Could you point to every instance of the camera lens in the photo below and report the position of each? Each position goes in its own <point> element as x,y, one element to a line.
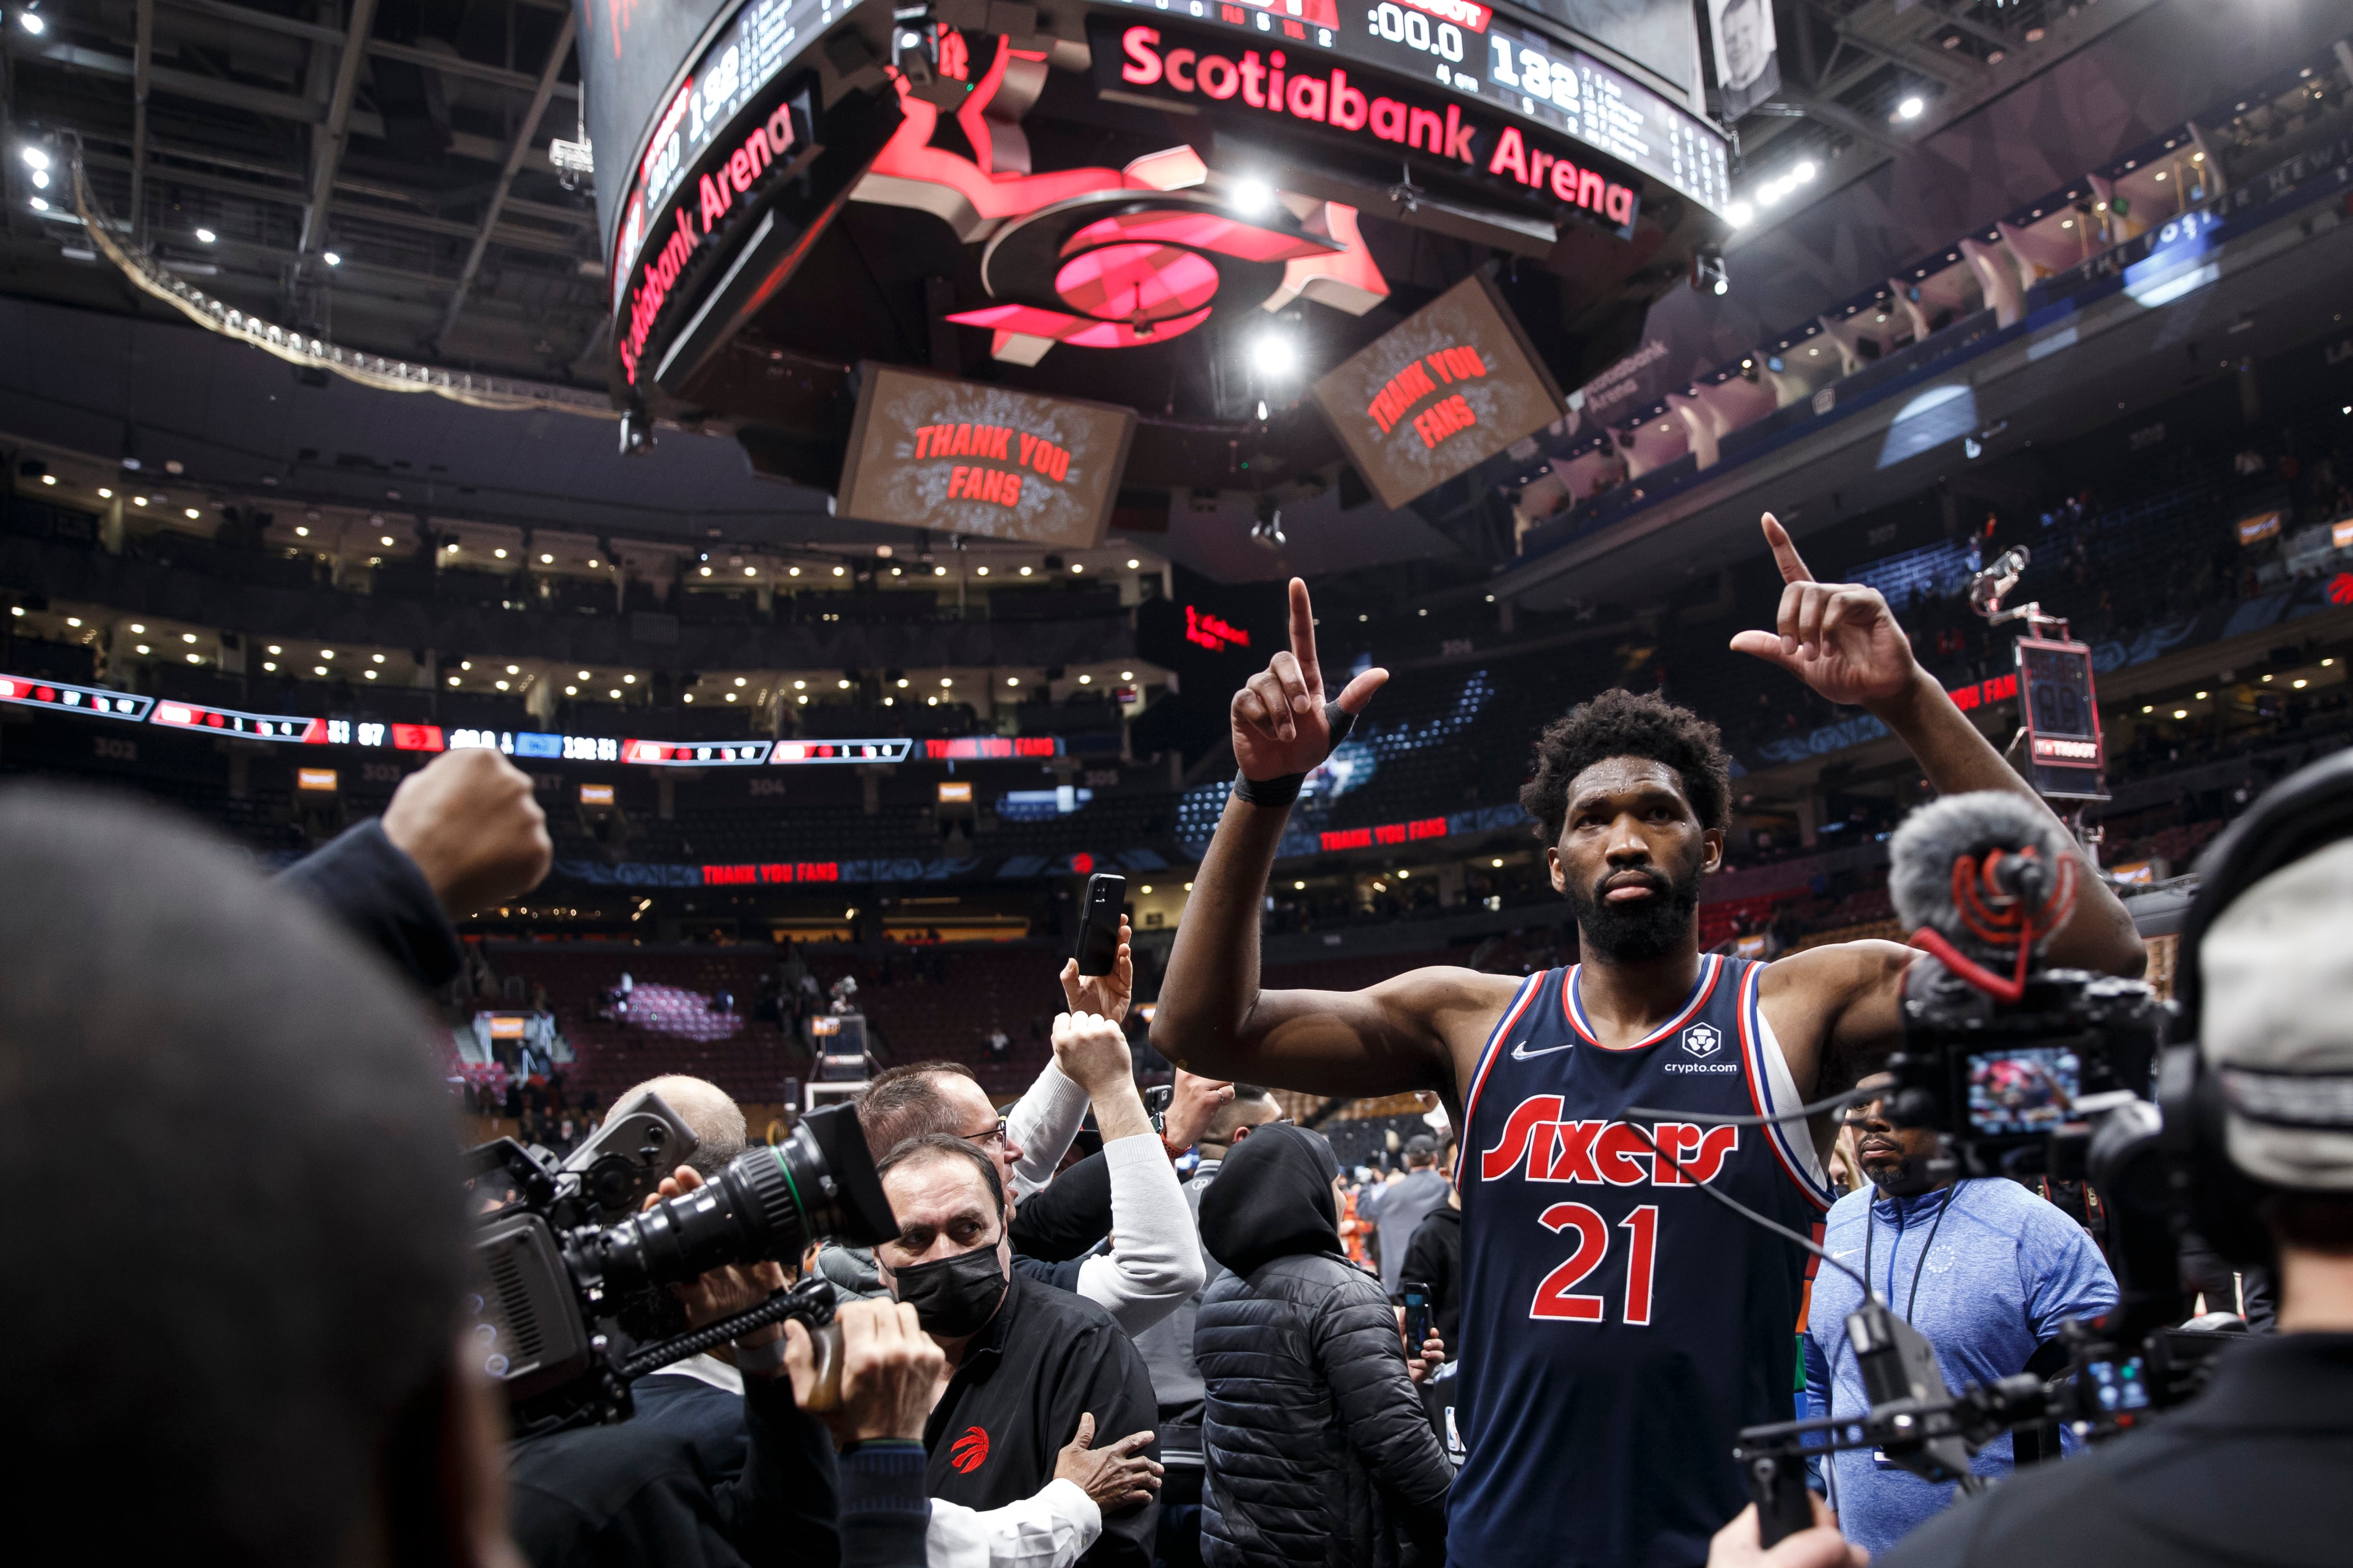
<point>767,1204</point>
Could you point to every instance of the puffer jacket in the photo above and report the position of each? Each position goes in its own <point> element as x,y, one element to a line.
<point>1317,1450</point>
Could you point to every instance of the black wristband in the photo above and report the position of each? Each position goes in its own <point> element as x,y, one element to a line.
<point>1275,792</point>
<point>1283,790</point>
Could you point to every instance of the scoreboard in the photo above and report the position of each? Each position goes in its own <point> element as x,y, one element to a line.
<point>301,730</point>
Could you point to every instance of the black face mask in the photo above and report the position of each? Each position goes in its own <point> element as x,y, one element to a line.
<point>1650,928</point>
<point>953,1297</point>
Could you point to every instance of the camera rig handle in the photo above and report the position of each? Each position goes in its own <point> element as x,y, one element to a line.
<point>812,1302</point>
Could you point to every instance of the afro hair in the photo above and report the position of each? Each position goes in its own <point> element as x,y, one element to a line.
<point>1621,723</point>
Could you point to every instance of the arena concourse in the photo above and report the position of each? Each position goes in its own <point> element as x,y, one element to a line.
<point>868,474</point>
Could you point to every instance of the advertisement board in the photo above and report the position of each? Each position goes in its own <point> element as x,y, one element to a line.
<point>930,451</point>
<point>1450,387</point>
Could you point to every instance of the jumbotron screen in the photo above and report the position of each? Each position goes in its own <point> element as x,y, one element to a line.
<point>929,451</point>
<point>1452,386</point>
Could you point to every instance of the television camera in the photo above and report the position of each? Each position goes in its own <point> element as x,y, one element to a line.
<point>2022,1071</point>
<point>558,1246</point>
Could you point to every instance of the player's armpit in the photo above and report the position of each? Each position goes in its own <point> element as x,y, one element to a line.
<point>1837,1011</point>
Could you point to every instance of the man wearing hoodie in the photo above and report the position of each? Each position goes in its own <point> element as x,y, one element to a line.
<point>1317,1448</point>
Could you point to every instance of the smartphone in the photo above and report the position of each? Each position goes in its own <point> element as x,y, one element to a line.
<point>1416,1314</point>
<point>1099,922</point>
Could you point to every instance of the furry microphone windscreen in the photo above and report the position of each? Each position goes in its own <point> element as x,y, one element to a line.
<point>1920,874</point>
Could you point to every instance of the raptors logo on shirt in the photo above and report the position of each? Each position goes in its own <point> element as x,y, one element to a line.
<point>969,1452</point>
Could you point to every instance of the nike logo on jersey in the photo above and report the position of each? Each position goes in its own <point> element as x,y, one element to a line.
<point>1544,1147</point>
<point>1520,1053</point>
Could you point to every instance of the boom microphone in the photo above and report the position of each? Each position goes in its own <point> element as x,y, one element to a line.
<point>1981,880</point>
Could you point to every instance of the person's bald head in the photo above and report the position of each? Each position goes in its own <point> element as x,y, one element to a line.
<point>714,1119</point>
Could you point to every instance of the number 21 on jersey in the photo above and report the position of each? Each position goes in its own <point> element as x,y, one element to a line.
<point>1557,1297</point>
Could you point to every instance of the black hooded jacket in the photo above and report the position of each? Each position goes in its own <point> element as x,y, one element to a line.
<point>1317,1449</point>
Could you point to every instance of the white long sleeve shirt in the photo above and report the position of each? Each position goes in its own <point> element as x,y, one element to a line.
<point>1154,1264</point>
<point>1050,1529</point>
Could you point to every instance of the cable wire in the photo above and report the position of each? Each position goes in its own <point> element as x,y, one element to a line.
<point>1707,1119</point>
<point>1734,1204</point>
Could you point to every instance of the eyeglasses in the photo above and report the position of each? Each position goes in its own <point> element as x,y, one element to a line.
<point>993,1135</point>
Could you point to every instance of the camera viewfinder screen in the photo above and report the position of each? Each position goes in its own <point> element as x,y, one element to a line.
<point>2032,1088</point>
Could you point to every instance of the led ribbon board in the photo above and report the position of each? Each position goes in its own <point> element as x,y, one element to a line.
<point>1490,66</point>
<point>1452,386</point>
<point>926,451</point>
<point>71,698</point>
<point>2063,753</point>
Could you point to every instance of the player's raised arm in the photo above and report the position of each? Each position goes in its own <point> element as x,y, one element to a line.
<point>1212,1018</point>
<point>1842,639</point>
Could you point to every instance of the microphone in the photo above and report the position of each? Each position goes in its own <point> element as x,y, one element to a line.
<point>1982,879</point>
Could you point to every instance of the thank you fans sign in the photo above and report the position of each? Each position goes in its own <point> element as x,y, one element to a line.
<point>1452,386</point>
<point>932,452</point>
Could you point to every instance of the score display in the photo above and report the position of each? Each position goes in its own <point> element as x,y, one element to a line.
<point>928,451</point>
<point>1468,49</point>
<point>71,698</point>
<point>2061,719</point>
<point>1450,387</point>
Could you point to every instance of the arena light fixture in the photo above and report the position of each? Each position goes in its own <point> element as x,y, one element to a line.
<point>946,680</point>
<point>369,673</point>
<point>628,680</point>
<point>705,570</point>
<point>1086,681</point>
<point>385,541</point>
<point>191,637</point>
<point>1133,564</point>
<point>379,658</point>
<point>453,680</point>
<point>332,260</point>
<point>1911,107</point>
<point>32,22</point>
<point>1273,354</point>
<point>574,691</point>
<point>40,205</point>
<point>614,693</point>
<point>545,559</point>
<point>205,237</point>
<point>841,570</point>
<point>980,570</point>
<point>141,630</point>
<point>273,648</point>
<point>315,669</point>
<point>936,571</point>
<point>105,494</point>
<point>800,685</point>
<point>34,158</point>
<point>1249,197</point>
<point>499,554</point>
<point>1012,680</point>
<point>1739,214</point>
<point>1025,571</point>
<point>751,571</point>
<point>1077,567</point>
<point>1127,675</point>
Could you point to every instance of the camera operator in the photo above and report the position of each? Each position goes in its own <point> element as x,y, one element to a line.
<point>1984,1268</point>
<point>461,833</point>
<point>1027,1363</point>
<point>236,1228</point>
<point>2259,1121</point>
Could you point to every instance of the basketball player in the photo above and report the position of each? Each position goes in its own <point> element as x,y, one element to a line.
<point>1617,1327</point>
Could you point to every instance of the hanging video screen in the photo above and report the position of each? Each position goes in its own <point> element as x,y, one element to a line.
<point>1660,35</point>
<point>927,451</point>
<point>1452,386</point>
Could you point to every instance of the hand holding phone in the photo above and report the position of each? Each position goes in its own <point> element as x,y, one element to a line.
<point>1098,949</point>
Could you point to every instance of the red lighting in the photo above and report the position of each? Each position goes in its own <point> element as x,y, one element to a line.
<point>1082,864</point>
<point>1212,632</point>
<point>1199,230</point>
<point>772,872</point>
<point>1387,833</point>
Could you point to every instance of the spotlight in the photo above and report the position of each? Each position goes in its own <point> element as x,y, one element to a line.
<point>1707,272</point>
<point>40,179</point>
<point>1739,214</point>
<point>40,205</point>
<point>1911,107</point>
<point>637,433</point>
<point>332,260</point>
<point>1250,196</point>
<point>1804,172</point>
<point>32,23</point>
<point>1274,355</point>
<point>205,237</point>
<point>34,157</point>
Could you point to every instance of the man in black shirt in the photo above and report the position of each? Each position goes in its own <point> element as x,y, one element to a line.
<point>1027,1360</point>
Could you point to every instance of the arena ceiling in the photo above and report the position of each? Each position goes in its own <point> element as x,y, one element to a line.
<point>422,163</point>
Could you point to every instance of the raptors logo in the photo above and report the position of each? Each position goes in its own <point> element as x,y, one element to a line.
<point>969,1452</point>
<point>1700,1039</point>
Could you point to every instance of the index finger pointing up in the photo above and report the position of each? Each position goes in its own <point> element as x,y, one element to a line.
<point>1303,639</point>
<point>1784,554</point>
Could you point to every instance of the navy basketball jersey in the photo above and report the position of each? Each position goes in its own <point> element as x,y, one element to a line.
<point>1619,1327</point>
